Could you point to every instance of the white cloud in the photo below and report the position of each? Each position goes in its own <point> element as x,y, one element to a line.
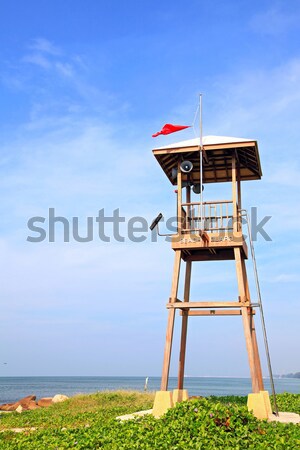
<point>285,173</point>
<point>260,102</point>
<point>285,278</point>
<point>49,57</point>
<point>42,54</point>
<point>45,46</point>
<point>37,59</point>
<point>65,69</point>
<point>274,21</point>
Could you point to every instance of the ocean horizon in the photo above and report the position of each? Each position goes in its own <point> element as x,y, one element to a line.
<point>15,388</point>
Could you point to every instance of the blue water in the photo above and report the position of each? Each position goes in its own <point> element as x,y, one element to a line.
<point>14,388</point>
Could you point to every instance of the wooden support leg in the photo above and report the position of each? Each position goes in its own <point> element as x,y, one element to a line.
<point>249,344</point>
<point>245,279</point>
<point>253,332</point>
<point>256,355</point>
<point>246,319</point>
<point>170,325</point>
<point>184,325</point>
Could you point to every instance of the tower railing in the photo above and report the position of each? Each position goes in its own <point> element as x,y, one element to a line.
<point>215,217</point>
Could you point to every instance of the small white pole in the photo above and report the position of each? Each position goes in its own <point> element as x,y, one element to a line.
<point>146,384</point>
<point>201,161</point>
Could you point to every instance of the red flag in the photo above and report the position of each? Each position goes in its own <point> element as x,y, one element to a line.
<point>169,128</point>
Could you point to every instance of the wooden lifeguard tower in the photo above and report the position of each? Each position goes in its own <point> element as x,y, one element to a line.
<point>209,231</point>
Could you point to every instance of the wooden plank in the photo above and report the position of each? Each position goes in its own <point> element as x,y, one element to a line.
<point>256,355</point>
<point>188,201</point>
<point>184,325</point>
<point>213,202</point>
<point>204,254</point>
<point>245,279</point>
<point>215,312</point>
<point>243,290</point>
<point>168,349</point>
<point>257,363</point>
<point>239,274</point>
<point>211,305</point>
<point>187,283</point>
<point>219,168</point>
<point>249,345</point>
<point>170,324</point>
<point>224,255</point>
<point>207,148</point>
<point>239,188</point>
<point>253,169</point>
<point>217,240</point>
<point>175,278</point>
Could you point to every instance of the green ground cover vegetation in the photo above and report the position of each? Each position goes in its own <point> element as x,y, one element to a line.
<point>87,422</point>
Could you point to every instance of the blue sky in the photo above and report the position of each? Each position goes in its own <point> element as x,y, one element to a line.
<point>83,86</point>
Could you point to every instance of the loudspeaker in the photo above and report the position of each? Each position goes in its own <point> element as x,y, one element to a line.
<point>174,173</point>
<point>186,166</point>
<point>197,188</point>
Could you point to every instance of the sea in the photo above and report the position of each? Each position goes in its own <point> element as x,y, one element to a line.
<point>15,388</point>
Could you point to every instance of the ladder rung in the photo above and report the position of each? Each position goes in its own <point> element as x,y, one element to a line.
<point>212,305</point>
<point>213,312</point>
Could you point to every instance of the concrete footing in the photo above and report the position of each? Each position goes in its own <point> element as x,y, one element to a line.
<point>180,395</point>
<point>260,404</point>
<point>162,402</point>
<point>261,408</point>
<point>167,399</point>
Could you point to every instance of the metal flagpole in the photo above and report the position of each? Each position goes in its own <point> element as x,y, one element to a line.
<point>201,162</point>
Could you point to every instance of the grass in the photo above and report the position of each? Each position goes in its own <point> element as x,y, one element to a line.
<point>79,410</point>
<point>88,422</point>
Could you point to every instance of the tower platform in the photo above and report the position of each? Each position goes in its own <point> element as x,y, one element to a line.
<point>210,247</point>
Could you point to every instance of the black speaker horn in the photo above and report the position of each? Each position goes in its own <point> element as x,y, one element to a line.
<point>197,188</point>
<point>185,184</point>
<point>186,166</point>
<point>174,173</point>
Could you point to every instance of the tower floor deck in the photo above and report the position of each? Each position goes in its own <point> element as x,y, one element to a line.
<point>216,246</point>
